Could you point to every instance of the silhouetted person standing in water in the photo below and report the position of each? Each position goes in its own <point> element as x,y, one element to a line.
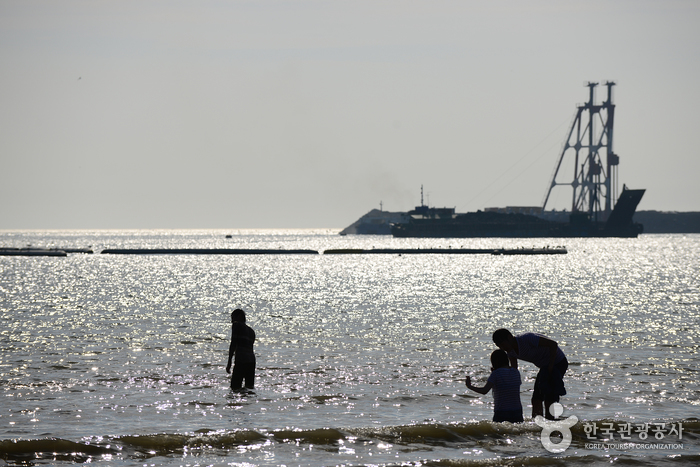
<point>242,339</point>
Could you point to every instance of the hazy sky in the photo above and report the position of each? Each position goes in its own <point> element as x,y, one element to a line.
<point>265,114</point>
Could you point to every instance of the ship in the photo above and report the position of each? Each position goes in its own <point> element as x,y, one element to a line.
<point>598,209</point>
<point>375,222</point>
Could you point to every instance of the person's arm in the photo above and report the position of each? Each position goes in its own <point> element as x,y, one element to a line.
<point>552,345</point>
<point>513,360</point>
<point>231,350</point>
<point>483,390</point>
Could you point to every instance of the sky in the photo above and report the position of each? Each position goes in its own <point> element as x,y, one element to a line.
<point>308,114</point>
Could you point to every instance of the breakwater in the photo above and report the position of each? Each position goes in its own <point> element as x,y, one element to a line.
<point>205,251</point>
<point>268,251</point>
<point>450,251</point>
<point>42,251</point>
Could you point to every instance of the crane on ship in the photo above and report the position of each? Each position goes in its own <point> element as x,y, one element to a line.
<point>590,145</point>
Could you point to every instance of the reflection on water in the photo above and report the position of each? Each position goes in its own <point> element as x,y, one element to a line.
<point>361,358</point>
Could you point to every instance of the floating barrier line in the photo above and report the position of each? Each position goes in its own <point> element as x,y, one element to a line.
<point>409,251</point>
<point>42,251</point>
<point>239,251</point>
<point>203,251</point>
<point>31,252</point>
<point>531,251</point>
<point>449,251</point>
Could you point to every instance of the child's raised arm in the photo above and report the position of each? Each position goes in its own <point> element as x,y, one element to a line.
<point>483,390</point>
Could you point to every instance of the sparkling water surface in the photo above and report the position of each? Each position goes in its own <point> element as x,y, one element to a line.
<point>361,358</point>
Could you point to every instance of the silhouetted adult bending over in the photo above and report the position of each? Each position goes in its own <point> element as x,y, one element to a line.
<point>242,339</point>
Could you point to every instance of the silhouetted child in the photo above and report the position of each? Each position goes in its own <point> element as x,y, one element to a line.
<point>242,340</point>
<point>505,382</point>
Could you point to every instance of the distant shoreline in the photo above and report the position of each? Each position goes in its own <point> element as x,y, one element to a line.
<point>668,222</point>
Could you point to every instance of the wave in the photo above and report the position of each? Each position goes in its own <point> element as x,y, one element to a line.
<point>52,448</point>
<point>481,433</point>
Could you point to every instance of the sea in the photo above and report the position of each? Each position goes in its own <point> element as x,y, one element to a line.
<point>114,359</point>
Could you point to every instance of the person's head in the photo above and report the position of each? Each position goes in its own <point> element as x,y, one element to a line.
<point>499,359</point>
<point>503,339</point>
<point>238,315</point>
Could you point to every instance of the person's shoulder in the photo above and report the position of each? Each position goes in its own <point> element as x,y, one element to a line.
<point>528,335</point>
<point>503,371</point>
<point>241,327</point>
<point>497,373</point>
<point>249,331</point>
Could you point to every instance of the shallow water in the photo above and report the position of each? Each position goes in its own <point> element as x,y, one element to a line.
<point>361,358</point>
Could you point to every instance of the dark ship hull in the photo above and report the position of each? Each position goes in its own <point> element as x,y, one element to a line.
<point>494,224</point>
